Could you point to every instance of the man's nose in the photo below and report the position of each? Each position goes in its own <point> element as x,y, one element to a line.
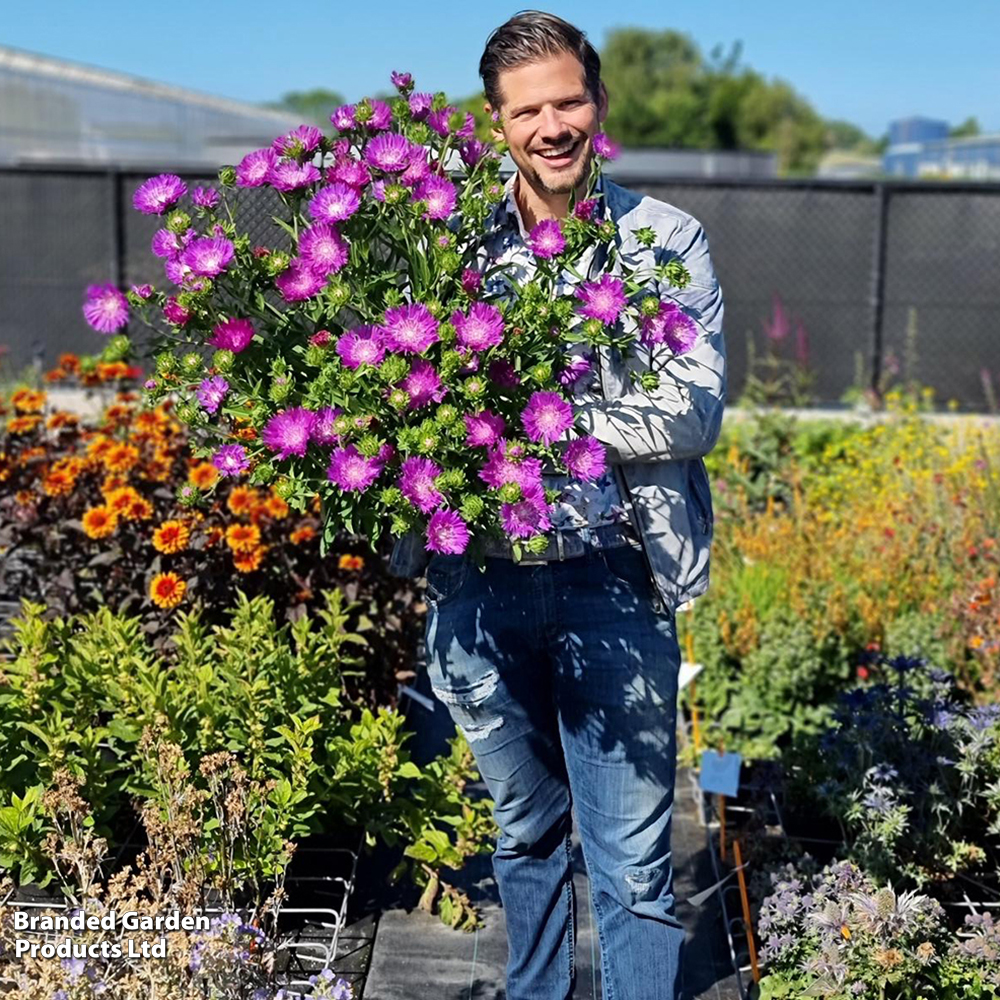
<point>552,126</point>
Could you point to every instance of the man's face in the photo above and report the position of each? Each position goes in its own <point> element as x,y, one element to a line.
<point>548,119</point>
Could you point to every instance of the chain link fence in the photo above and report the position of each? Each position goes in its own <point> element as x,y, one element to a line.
<point>860,283</point>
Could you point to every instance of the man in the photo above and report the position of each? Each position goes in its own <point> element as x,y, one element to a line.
<point>561,669</point>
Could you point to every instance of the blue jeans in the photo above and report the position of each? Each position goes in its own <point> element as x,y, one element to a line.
<point>564,682</point>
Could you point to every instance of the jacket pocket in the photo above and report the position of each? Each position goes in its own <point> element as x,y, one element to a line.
<point>701,496</point>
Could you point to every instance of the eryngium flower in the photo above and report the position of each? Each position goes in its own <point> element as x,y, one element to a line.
<point>546,239</point>
<point>410,329</point>
<point>484,428</point>
<point>604,147</point>
<point>232,335</point>
<point>669,326</point>
<point>105,308</point>
<point>446,533</point>
<point>334,203</point>
<point>350,470</point>
<point>343,118</point>
<point>290,175</point>
<point>420,105</point>
<point>299,282</point>
<point>287,433</point>
<point>212,392</point>
<point>546,417</point>
<point>155,196</point>
<point>585,458</point>
<point>205,197</point>
<point>255,168</point>
<point>481,328</point>
<point>423,384</point>
<point>231,459</point>
<point>528,516</point>
<point>364,345</point>
<point>416,482</point>
<point>323,249</point>
<point>603,299</point>
<point>390,152</point>
<point>297,141</point>
<point>439,194</point>
<point>208,256</point>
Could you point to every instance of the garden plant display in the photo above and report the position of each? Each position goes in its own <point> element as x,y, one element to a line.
<point>370,352</point>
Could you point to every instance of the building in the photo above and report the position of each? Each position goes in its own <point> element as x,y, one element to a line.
<point>58,112</point>
<point>921,148</point>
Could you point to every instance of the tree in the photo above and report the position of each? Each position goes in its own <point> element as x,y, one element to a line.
<point>968,128</point>
<point>314,106</point>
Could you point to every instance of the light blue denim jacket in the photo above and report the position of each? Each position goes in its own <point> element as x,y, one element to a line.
<point>656,441</point>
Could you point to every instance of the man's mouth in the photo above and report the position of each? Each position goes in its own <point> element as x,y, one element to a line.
<point>560,156</point>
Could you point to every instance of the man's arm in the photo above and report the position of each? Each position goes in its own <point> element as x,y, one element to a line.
<point>682,417</point>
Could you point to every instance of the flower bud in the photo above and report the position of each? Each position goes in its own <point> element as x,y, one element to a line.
<point>541,373</point>
<point>474,387</point>
<point>166,363</point>
<point>342,424</point>
<point>649,306</point>
<point>510,493</point>
<point>188,495</point>
<point>649,380</point>
<point>191,363</point>
<point>593,327</point>
<point>315,356</point>
<point>285,488</point>
<point>449,261</point>
<point>391,496</point>
<point>537,544</point>
<point>399,399</point>
<point>393,368</point>
<point>178,221</point>
<point>223,359</point>
<point>264,473</point>
<point>116,349</point>
<point>446,414</point>
<point>451,479</point>
<point>395,194</point>
<point>369,445</point>
<point>276,262</point>
<point>347,379</point>
<point>418,133</point>
<point>446,333</point>
<point>187,413</point>
<point>281,388</point>
<point>338,294</point>
<point>472,507</point>
<point>227,176</point>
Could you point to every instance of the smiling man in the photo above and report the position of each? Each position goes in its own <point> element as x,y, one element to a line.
<point>561,669</point>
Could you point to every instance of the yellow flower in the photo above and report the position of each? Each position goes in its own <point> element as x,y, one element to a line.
<point>247,562</point>
<point>99,522</point>
<point>167,590</point>
<point>243,538</point>
<point>171,537</point>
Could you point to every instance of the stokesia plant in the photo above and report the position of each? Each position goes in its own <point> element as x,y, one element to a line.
<point>373,352</point>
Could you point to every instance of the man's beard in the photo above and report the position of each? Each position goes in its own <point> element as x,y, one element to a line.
<point>564,186</point>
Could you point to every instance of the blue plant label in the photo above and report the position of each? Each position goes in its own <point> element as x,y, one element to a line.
<point>720,773</point>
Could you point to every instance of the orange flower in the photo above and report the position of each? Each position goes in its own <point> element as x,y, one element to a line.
<point>247,562</point>
<point>121,499</point>
<point>246,434</point>
<point>171,537</point>
<point>204,475</point>
<point>28,400</point>
<point>242,537</point>
<point>121,457</point>
<point>61,419</point>
<point>276,507</point>
<point>99,522</point>
<point>214,535</point>
<point>139,510</point>
<point>243,500</point>
<point>159,467</point>
<point>304,534</point>
<point>113,483</point>
<point>167,590</point>
<point>69,363</point>
<point>23,425</point>
<point>351,562</point>
<point>99,447</point>
<point>55,375</point>
<point>58,483</point>
<point>149,423</point>
<point>23,497</point>
<point>109,372</point>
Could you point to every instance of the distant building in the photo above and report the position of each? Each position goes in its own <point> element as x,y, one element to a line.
<point>54,111</point>
<point>920,147</point>
<point>842,165</point>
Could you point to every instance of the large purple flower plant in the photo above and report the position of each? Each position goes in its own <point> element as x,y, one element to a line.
<point>355,354</point>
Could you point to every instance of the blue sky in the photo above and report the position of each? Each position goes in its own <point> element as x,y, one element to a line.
<point>866,61</point>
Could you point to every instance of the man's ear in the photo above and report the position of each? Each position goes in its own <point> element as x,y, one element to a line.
<point>602,103</point>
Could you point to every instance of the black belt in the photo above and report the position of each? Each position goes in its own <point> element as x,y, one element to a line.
<point>568,544</point>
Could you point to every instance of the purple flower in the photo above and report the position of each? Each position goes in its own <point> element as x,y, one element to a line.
<point>142,291</point>
<point>438,120</point>
<point>205,197</point>
<point>334,203</point>
<point>471,281</point>
<point>585,209</point>
<point>472,151</point>
<point>603,299</point>
<point>255,168</point>
<point>105,308</point>
<point>447,533</point>
<point>176,271</point>
<point>232,335</point>
<point>423,384</point>
<point>546,417</point>
<point>506,466</point>
<point>416,482</point>
<point>503,373</point>
<point>585,458</point>
<point>299,282</point>
<point>343,118</point>
<point>401,81</point>
<point>290,175</point>
<point>364,345</point>
<point>208,256</point>
<point>546,239</point>
<point>481,328</point>
<point>349,171</point>
<point>288,432</point>
<point>231,459</point>
<point>167,244</point>
<point>389,152</point>
<point>420,105</point>
<point>417,170</point>
<point>669,326</point>
<point>528,516</point>
<point>439,193</point>
<point>323,249</point>
<point>298,141</point>
<point>175,313</point>
<point>155,196</point>
<point>604,147</point>
<point>211,393</point>
<point>350,470</point>
<point>410,329</point>
<point>323,431</point>
<point>576,367</point>
<point>484,428</point>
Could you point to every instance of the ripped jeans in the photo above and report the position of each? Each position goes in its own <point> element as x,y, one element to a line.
<point>564,681</point>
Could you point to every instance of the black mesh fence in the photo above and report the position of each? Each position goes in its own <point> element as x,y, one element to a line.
<point>857,281</point>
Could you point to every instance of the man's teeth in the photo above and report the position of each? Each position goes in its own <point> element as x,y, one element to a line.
<point>561,151</point>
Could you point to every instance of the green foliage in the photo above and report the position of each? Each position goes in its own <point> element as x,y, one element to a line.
<point>315,106</point>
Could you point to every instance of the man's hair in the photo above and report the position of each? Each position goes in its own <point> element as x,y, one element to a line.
<point>531,35</point>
